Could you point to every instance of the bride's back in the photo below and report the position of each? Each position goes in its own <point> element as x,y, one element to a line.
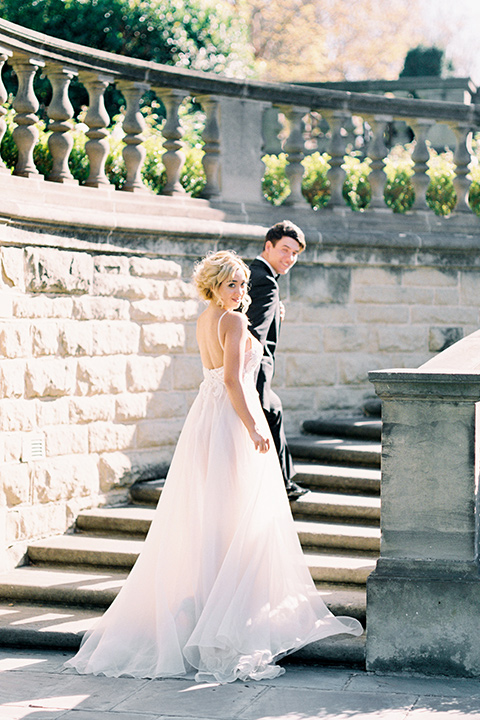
<point>211,352</point>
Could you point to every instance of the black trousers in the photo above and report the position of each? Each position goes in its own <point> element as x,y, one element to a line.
<point>274,415</point>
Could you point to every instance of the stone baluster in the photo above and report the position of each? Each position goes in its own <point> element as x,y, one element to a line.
<point>97,120</point>
<point>4,55</point>
<point>174,157</point>
<point>211,138</point>
<point>377,152</point>
<point>336,174</point>
<point>25,105</point>
<point>60,111</point>
<point>294,147</point>
<point>462,158</point>
<point>420,157</point>
<point>133,126</point>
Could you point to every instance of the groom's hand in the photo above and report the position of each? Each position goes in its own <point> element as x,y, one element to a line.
<point>282,311</point>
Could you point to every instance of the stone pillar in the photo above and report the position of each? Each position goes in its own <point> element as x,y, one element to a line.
<point>420,157</point>
<point>241,167</point>
<point>424,595</point>
<point>133,126</point>
<point>97,120</point>
<point>4,55</point>
<point>60,112</point>
<point>462,159</point>
<point>336,175</point>
<point>377,152</point>
<point>25,104</point>
<point>294,148</point>
<point>173,157</point>
<point>211,147</point>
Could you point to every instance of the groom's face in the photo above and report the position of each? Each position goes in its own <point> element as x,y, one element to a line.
<point>283,255</point>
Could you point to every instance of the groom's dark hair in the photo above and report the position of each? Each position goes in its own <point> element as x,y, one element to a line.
<point>288,229</point>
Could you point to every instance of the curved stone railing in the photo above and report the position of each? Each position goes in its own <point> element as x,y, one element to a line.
<point>233,127</point>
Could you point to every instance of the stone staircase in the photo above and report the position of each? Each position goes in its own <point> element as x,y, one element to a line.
<point>72,578</point>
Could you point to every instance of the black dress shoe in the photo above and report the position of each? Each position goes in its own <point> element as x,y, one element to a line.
<point>294,491</point>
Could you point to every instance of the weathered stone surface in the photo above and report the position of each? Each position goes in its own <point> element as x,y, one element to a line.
<point>130,407</point>
<point>103,375</point>
<point>156,433</point>
<point>35,521</point>
<point>164,310</point>
<point>439,338</point>
<point>402,338</point>
<point>146,374</point>
<point>106,437</point>
<point>52,411</point>
<point>446,296</point>
<point>376,276</point>
<point>431,277</point>
<point>12,267</point>
<point>124,286</point>
<point>166,405</point>
<point>350,338</point>
<point>17,415</point>
<point>187,373</point>
<point>15,339</point>
<point>310,370</point>
<point>100,308</point>
<point>179,290</point>
<point>162,337</point>
<point>451,316</point>
<point>6,304</point>
<point>45,338</point>
<point>113,338</point>
<point>39,306</point>
<point>12,445</point>
<point>154,267</point>
<point>386,294</point>
<point>383,314</point>
<point>315,285</point>
<point>125,468</point>
<point>58,271</point>
<point>111,264</point>
<point>91,409</point>
<point>62,478</point>
<point>75,339</point>
<point>304,338</point>
<point>14,484</point>
<point>66,440</point>
<point>354,367</point>
<point>49,378</point>
<point>12,378</point>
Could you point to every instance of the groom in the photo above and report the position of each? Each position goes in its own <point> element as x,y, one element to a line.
<point>283,243</point>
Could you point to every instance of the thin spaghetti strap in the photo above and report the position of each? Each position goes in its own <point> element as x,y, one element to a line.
<point>218,329</point>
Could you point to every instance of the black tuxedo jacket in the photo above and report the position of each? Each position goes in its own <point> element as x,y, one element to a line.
<point>264,316</point>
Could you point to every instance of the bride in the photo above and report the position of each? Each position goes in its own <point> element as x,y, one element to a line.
<point>221,587</point>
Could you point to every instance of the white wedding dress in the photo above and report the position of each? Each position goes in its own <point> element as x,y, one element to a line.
<point>221,586</point>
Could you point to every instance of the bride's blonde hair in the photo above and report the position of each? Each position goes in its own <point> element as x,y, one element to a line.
<point>215,268</point>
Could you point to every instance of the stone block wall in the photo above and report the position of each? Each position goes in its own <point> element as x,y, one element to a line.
<point>98,369</point>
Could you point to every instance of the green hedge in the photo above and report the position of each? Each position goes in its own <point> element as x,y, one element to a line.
<point>399,192</point>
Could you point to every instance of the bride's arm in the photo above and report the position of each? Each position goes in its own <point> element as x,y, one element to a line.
<point>233,357</point>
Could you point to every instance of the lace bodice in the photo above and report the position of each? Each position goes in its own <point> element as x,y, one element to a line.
<point>213,380</point>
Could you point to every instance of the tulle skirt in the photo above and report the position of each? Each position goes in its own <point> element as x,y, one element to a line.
<point>221,587</point>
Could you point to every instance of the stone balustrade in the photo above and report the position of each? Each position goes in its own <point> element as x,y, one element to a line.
<point>233,127</point>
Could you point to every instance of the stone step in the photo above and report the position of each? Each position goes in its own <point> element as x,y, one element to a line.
<point>135,520</point>
<point>97,589</point>
<point>340,568</point>
<point>53,627</point>
<point>339,478</point>
<point>85,551</point>
<point>357,426</point>
<point>335,450</point>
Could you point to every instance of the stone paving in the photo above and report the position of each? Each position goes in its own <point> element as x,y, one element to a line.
<point>34,686</point>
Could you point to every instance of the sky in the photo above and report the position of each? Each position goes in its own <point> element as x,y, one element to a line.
<point>456,25</point>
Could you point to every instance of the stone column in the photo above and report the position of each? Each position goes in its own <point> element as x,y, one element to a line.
<point>60,112</point>
<point>420,157</point>
<point>97,120</point>
<point>462,158</point>
<point>294,148</point>
<point>377,152</point>
<point>174,157</point>
<point>336,175</point>
<point>4,55</point>
<point>25,104</point>
<point>423,598</point>
<point>133,126</point>
<point>211,147</point>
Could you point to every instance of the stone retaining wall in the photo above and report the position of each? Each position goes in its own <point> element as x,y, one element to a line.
<point>98,357</point>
